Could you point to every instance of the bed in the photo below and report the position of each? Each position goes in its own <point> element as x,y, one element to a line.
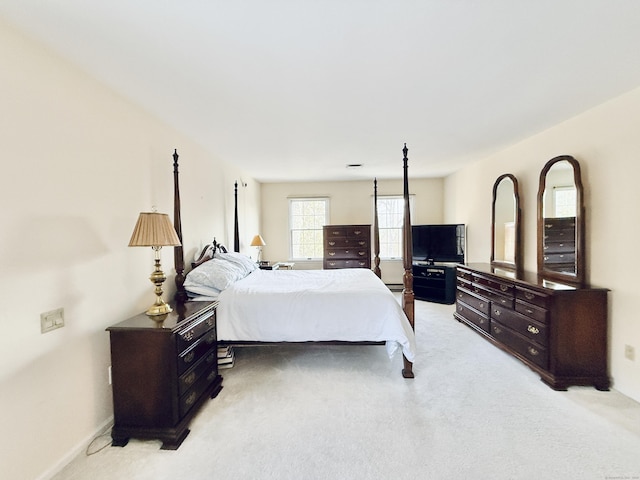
<point>255,306</point>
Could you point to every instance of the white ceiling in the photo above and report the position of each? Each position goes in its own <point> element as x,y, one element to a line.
<point>295,90</point>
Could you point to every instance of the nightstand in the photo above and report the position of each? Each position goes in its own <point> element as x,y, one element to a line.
<point>268,266</point>
<point>163,372</point>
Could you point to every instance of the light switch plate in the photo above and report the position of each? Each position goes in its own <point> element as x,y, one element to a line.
<point>51,320</point>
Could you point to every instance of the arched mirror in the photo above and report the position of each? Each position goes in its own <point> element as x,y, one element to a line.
<point>561,221</point>
<point>506,240</point>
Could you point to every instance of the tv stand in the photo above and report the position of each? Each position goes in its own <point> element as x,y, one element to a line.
<point>434,283</point>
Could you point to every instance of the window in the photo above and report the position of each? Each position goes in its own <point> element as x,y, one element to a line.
<point>307,216</point>
<point>390,221</point>
<point>564,201</point>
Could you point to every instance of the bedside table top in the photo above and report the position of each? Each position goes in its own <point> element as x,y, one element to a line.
<point>180,313</point>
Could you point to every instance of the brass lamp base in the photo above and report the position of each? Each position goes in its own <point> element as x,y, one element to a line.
<point>159,310</point>
<point>156,310</point>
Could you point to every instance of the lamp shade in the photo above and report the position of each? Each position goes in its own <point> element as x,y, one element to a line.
<point>154,230</point>
<point>257,241</point>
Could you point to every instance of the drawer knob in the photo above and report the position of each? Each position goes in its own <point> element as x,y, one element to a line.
<point>529,296</point>
<point>189,379</point>
<point>533,351</point>
<point>497,313</point>
<point>532,329</point>
<point>529,311</point>
<point>188,336</point>
<point>190,400</point>
<point>497,330</point>
<point>188,358</point>
<point>504,288</point>
<point>210,322</point>
<point>481,304</point>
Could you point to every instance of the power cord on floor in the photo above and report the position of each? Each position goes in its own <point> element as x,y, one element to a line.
<point>107,432</point>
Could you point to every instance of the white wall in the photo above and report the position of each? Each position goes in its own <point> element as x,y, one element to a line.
<point>78,165</point>
<point>605,141</point>
<point>350,203</point>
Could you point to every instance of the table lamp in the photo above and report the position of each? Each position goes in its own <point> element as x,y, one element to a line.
<point>156,231</point>
<point>258,241</point>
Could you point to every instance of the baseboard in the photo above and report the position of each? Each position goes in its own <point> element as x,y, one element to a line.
<point>77,450</point>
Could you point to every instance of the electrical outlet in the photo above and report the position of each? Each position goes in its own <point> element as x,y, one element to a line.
<point>629,352</point>
<point>51,320</point>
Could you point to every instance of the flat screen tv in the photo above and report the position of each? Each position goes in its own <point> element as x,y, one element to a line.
<point>438,243</point>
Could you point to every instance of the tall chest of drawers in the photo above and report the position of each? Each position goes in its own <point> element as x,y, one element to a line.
<point>559,331</point>
<point>163,372</point>
<point>347,246</point>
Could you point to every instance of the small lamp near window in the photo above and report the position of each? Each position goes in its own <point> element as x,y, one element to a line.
<point>156,231</point>
<point>258,241</point>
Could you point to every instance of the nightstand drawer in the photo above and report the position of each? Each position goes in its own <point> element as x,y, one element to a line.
<point>188,335</point>
<point>191,376</point>
<point>190,357</point>
<point>192,395</point>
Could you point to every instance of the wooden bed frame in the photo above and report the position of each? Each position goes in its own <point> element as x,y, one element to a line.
<point>408,301</point>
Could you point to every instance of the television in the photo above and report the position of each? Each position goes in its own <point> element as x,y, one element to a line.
<point>438,243</point>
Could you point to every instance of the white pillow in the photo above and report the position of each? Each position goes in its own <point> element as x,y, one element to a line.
<point>202,291</point>
<point>238,259</point>
<point>215,273</point>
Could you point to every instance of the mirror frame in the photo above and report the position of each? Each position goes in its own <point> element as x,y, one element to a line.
<point>579,275</point>
<point>517,264</point>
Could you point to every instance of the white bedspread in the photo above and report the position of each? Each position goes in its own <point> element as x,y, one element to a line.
<point>314,305</point>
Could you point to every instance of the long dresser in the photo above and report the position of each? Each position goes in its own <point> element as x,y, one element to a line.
<point>163,372</point>
<point>559,331</point>
<point>347,246</point>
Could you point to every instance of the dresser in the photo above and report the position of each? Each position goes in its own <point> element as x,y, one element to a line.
<point>560,244</point>
<point>558,330</point>
<point>347,246</point>
<point>163,372</point>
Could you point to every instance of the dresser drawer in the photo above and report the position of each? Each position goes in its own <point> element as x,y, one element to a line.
<point>187,379</point>
<point>189,357</point>
<point>353,252</point>
<point>479,303</point>
<point>473,316</point>
<point>188,335</point>
<point>531,296</point>
<point>332,232</point>
<point>504,288</point>
<point>362,263</point>
<point>559,247</point>
<point>358,231</point>
<point>464,274</point>
<point>520,323</point>
<point>532,351</point>
<point>495,297</point>
<point>341,243</point>
<point>536,313</point>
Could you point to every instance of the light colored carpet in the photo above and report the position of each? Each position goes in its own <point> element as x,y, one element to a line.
<point>345,412</point>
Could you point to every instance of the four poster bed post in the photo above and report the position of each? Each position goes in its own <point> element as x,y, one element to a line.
<point>408,300</point>
<point>178,253</point>
<point>376,232</point>
<point>407,293</point>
